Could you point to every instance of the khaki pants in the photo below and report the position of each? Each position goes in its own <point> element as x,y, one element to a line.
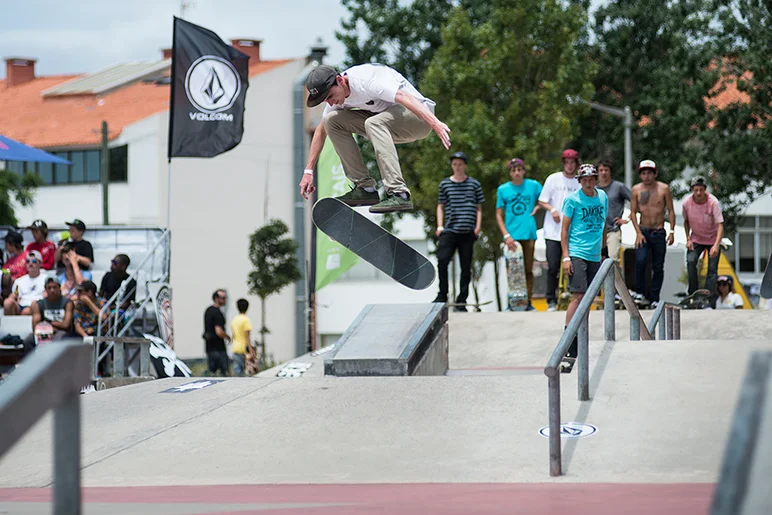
<point>397,124</point>
<point>614,244</point>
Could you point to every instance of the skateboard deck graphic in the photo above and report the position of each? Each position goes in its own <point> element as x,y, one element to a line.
<point>517,289</point>
<point>374,244</point>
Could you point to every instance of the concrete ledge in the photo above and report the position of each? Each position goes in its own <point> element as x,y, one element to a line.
<point>393,340</point>
<point>104,383</point>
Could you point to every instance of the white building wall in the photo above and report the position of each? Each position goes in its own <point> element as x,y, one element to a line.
<point>217,203</point>
<point>59,204</point>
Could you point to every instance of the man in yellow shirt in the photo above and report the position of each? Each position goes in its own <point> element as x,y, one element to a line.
<point>242,330</point>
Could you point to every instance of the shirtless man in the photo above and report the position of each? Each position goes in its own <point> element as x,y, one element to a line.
<point>650,198</point>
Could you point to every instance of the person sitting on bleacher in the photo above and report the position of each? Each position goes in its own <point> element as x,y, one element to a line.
<point>54,309</point>
<point>83,248</point>
<point>28,288</point>
<point>46,248</point>
<point>15,265</point>
<point>73,275</point>
<point>113,279</point>
<point>87,310</point>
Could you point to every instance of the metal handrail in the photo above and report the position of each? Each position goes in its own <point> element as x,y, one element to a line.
<point>610,278</point>
<point>51,378</point>
<point>744,438</point>
<point>670,329</point>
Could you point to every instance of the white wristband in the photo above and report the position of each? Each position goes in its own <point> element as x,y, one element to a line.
<point>506,236</point>
<point>567,259</point>
<point>308,172</point>
<point>553,210</point>
<point>440,228</point>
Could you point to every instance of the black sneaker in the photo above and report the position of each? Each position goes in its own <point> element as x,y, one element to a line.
<point>360,197</point>
<point>461,309</point>
<point>441,299</point>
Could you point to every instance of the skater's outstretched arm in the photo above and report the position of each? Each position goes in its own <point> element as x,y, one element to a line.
<point>510,242</point>
<point>317,143</point>
<point>420,110</point>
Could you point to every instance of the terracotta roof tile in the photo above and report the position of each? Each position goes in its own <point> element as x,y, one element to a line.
<point>75,121</point>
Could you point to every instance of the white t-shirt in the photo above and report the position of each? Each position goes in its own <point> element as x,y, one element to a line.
<point>29,289</point>
<point>374,88</point>
<point>556,188</point>
<point>730,302</point>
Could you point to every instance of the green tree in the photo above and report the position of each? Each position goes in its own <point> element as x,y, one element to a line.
<point>274,264</point>
<point>502,87</point>
<point>737,144</point>
<point>655,57</point>
<point>23,190</point>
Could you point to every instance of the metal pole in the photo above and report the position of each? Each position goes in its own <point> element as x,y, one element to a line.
<point>556,462</point>
<point>105,175</point>
<point>169,194</point>
<point>609,311</point>
<point>583,357</point>
<point>635,328</point>
<point>661,325</point>
<point>67,499</point>
<point>628,147</point>
<point>669,320</point>
<point>676,324</point>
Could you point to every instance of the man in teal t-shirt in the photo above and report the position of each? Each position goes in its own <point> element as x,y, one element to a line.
<point>515,207</point>
<point>583,236</point>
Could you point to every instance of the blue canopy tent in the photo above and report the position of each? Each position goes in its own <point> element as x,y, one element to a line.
<point>12,150</point>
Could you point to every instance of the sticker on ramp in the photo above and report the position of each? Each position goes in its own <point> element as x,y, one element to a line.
<point>571,430</point>
<point>295,369</point>
<point>192,387</point>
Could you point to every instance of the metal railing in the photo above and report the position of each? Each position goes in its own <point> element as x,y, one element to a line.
<point>670,328</point>
<point>745,437</point>
<point>51,377</point>
<point>117,322</point>
<point>610,278</point>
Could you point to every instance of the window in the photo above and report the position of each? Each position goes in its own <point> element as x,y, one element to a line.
<point>16,167</point>
<point>765,249</point>
<point>93,165</point>
<point>745,250</point>
<point>78,168</point>
<point>46,172</point>
<point>119,164</point>
<point>61,172</point>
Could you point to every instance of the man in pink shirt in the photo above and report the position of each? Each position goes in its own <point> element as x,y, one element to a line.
<point>704,226</point>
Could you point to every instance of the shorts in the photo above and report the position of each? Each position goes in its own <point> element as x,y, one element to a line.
<point>584,273</point>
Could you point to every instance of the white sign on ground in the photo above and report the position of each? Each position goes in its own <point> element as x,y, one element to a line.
<point>195,385</point>
<point>571,430</point>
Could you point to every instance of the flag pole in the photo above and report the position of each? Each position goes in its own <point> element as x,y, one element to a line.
<point>169,195</point>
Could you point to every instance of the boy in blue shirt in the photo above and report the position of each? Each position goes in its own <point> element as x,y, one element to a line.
<point>516,203</point>
<point>583,236</point>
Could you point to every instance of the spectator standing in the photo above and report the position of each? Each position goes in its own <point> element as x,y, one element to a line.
<point>241,327</point>
<point>215,335</point>
<point>726,298</point>
<point>46,248</point>
<point>27,289</point>
<point>82,248</point>
<point>516,203</point>
<point>557,188</point>
<point>583,234</point>
<point>87,310</point>
<point>459,219</point>
<point>704,226</point>
<point>651,198</point>
<point>54,309</point>
<point>617,194</point>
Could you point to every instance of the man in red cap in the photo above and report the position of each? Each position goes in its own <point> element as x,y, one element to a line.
<point>556,188</point>
<point>650,198</point>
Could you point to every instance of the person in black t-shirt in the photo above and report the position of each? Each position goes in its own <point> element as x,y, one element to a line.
<point>112,280</point>
<point>215,335</point>
<point>82,248</point>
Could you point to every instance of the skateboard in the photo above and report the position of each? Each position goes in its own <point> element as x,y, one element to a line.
<point>44,333</point>
<point>373,243</point>
<point>700,299</point>
<point>517,288</point>
<point>475,306</point>
<point>766,282</point>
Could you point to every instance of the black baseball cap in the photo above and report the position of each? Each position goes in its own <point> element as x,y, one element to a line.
<point>699,181</point>
<point>14,236</point>
<point>38,224</point>
<point>78,224</point>
<point>319,82</point>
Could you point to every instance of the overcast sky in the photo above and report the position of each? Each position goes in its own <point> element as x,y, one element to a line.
<point>66,40</point>
<point>103,32</point>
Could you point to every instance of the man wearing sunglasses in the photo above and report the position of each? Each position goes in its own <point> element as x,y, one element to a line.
<point>27,289</point>
<point>113,279</point>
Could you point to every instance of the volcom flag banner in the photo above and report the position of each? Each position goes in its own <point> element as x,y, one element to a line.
<point>209,85</point>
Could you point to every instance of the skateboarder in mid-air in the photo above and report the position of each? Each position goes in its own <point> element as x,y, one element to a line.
<point>376,102</point>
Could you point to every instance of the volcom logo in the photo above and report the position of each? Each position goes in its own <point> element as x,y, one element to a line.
<point>212,85</point>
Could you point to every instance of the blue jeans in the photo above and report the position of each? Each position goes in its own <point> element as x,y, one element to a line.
<point>654,242</point>
<point>692,264</point>
<point>239,364</point>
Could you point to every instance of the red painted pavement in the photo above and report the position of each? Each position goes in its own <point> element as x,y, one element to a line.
<point>413,499</point>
